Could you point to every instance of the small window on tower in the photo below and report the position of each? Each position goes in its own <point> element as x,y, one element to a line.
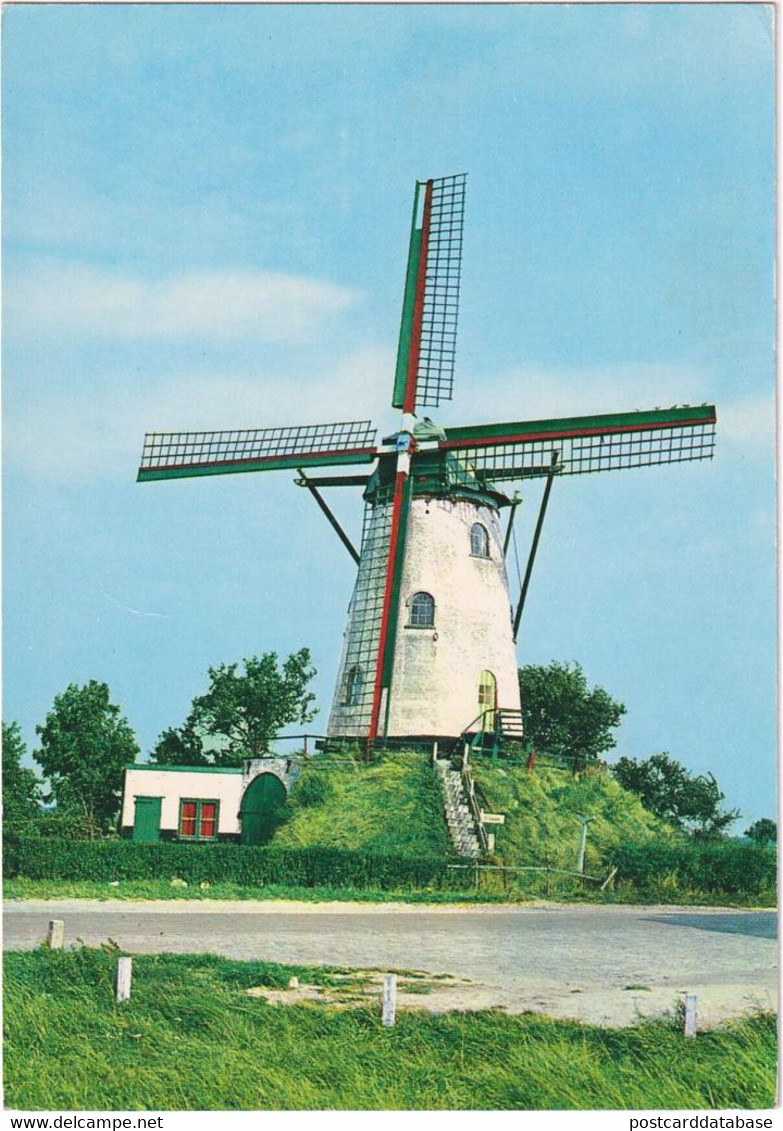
<point>422,611</point>
<point>479,541</point>
<point>354,686</point>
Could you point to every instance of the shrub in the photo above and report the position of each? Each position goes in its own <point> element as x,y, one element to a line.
<point>40,858</point>
<point>68,825</point>
<point>728,867</point>
<point>311,790</point>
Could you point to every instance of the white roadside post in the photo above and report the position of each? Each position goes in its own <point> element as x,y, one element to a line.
<point>124,975</point>
<point>690,1015</point>
<point>389,1000</point>
<point>56,935</point>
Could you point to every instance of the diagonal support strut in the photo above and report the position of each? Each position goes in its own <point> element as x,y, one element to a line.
<point>346,541</point>
<point>534,546</point>
<point>515,501</point>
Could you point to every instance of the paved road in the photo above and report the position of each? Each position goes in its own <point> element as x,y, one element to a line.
<point>604,964</point>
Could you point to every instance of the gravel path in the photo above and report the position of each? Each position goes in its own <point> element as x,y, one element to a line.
<point>607,965</point>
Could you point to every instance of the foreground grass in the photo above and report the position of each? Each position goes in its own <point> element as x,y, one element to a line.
<point>21,888</point>
<point>190,1039</point>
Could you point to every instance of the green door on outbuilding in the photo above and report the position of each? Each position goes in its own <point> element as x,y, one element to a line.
<point>263,797</point>
<point>146,819</point>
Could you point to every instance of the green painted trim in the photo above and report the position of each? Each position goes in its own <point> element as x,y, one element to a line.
<point>185,769</point>
<point>394,607</point>
<point>198,802</point>
<point>439,475</point>
<point>292,463</point>
<point>698,414</point>
<point>408,303</point>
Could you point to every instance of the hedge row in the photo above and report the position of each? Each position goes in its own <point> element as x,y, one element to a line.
<point>724,867</point>
<point>719,868</point>
<point>48,859</point>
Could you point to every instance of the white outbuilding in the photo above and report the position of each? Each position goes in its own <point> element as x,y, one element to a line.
<point>205,803</point>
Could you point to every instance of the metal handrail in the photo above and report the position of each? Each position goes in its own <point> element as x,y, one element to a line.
<point>469,787</point>
<point>481,715</point>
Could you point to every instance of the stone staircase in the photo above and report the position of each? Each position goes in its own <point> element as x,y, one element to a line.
<point>458,815</point>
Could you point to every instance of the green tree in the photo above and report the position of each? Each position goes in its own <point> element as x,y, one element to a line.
<point>561,716</point>
<point>691,802</point>
<point>763,831</point>
<point>180,746</point>
<point>85,744</point>
<point>21,788</point>
<point>241,712</point>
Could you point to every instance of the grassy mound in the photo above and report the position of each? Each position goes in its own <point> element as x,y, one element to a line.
<point>393,806</point>
<point>540,808</point>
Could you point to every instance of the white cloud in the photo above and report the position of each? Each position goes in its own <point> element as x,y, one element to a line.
<point>79,300</point>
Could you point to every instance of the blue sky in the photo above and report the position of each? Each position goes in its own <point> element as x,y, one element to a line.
<point>205,225</point>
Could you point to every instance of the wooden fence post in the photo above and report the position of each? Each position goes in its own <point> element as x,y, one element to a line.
<point>124,975</point>
<point>389,1000</point>
<point>56,935</point>
<point>690,1015</point>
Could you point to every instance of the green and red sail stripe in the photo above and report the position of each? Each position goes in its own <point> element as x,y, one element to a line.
<point>404,396</point>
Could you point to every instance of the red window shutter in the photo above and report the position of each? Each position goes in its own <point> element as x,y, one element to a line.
<point>188,819</point>
<point>208,814</point>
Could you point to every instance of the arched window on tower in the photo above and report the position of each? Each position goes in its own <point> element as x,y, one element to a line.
<point>354,685</point>
<point>488,699</point>
<point>422,611</point>
<point>479,541</point>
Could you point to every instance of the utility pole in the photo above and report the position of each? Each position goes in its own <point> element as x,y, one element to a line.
<point>584,822</point>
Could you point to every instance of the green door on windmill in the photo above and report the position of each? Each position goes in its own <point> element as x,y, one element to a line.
<point>263,797</point>
<point>146,819</point>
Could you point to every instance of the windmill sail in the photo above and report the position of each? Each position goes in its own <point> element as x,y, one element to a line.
<point>352,712</point>
<point>584,444</point>
<point>428,335</point>
<point>172,455</point>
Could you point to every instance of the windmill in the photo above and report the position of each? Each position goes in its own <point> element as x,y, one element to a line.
<point>430,643</point>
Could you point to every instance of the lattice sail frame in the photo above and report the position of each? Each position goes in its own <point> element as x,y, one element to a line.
<point>167,455</point>
<point>367,604</point>
<point>584,445</point>
<point>428,331</point>
<point>435,377</point>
